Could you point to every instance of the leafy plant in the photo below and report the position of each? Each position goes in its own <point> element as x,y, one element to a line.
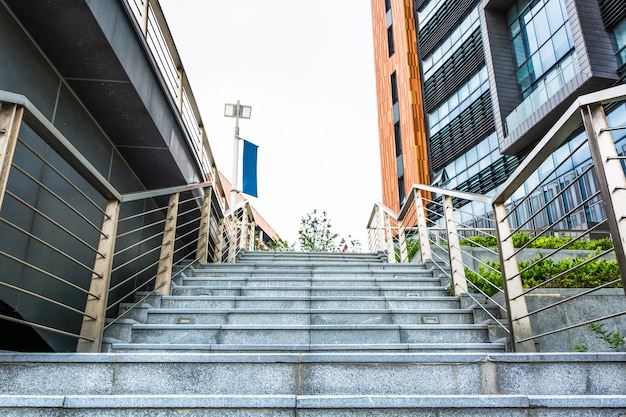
<point>281,246</point>
<point>316,235</point>
<point>590,275</point>
<point>613,339</point>
<point>542,242</point>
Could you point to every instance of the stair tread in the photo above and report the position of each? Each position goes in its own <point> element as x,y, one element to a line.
<point>484,346</point>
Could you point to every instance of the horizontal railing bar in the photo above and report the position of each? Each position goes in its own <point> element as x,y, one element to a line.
<point>185,246</point>
<point>548,177</point>
<point>41,326</point>
<point>54,222</point>
<point>611,129</point>
<point>487,311</point>
<point>192,198</point>
<point>454,193</point>
<point>195,230</point>
<point>490,250</point>
<point>193,220</point>
<point>573,297</point>
<point>549,227</point>
<point>141,195</point>
<point>133,276</point>
<point>560,274</point>
<point>44,298</point>
<point>61,200</point>
<point>483,263</point>
<point>66,179</point>
<point>573,326</point>
<point>559,194</point>
<point>475,215</point>
<point>555,251</point>
<point>138,243</point>
<point>52,136</point>
<point>551,141</point>
<point>143,213</point>
<point>130,261</point>
<point>43,242</point>
<point>140,228</point>
<point>469,294</point>
<point>48,274</point>
<point>139,287</point>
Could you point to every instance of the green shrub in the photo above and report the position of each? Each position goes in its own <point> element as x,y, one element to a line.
<point>542,242</point>
<point>590,275</point>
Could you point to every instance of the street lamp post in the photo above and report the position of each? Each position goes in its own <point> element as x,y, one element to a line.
<point>238,111</point>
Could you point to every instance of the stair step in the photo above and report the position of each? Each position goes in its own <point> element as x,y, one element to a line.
<point>322,405</point>
<point>276,348</point>
<point>330,373</point>
<point>307,317</point>
<point>318,291</point>
<point>280,281</point>
<point>308,334</point>
<point>312,302</point>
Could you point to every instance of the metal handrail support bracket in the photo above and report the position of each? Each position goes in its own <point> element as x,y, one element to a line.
<point>202,250</point>
<point>163,280</point>
<point>514,292</point>
<point>422,227</point>
<point>610,176</point>
<point>459,281</point>
<point>10,122</point>
<point>92,330</point>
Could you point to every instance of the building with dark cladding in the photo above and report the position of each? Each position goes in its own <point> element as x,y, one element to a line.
<point>86,72</point>
<point>497,74</point>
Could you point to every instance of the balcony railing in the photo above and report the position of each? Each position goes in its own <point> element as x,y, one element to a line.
<point>453,230</point>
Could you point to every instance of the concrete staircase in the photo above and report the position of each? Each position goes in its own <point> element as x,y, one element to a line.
<point>298,334</point>
<point>300,302</point>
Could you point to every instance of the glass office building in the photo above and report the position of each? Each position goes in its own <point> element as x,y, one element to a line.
<point>497,74</point>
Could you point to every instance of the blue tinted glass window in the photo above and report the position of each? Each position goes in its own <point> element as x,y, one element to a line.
<point>540,39</point>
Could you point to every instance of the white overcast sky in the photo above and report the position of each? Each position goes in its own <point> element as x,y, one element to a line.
<point>307,70</point>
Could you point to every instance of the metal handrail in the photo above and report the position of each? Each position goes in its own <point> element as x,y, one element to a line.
<point>90,338</point>
<point>587,110</point>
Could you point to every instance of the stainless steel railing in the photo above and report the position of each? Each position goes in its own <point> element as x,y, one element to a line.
<point>74,248</point>
<point>570,191</point>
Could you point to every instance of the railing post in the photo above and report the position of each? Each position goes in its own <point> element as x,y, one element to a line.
<point>232,243</point>
<point>202,250</point>
<point>219,245</point>
<point>519,322</point>
<point>92,329</point>
<point>166,258</point>
<point>610,176</point>
<point>251,234</point>
<point>146,14</point>
<point>181,90</point>
<point>10,121</point>
<point>243,234</point>
<point>422,228</point>
<point>380,229</point>
<point>404,253</point>
<point>391,252</point>
<point>459,282</point>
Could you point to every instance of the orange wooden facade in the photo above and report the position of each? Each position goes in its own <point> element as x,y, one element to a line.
<point>406,64</point>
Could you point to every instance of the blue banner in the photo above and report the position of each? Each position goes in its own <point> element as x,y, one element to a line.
<point>249,168</point>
